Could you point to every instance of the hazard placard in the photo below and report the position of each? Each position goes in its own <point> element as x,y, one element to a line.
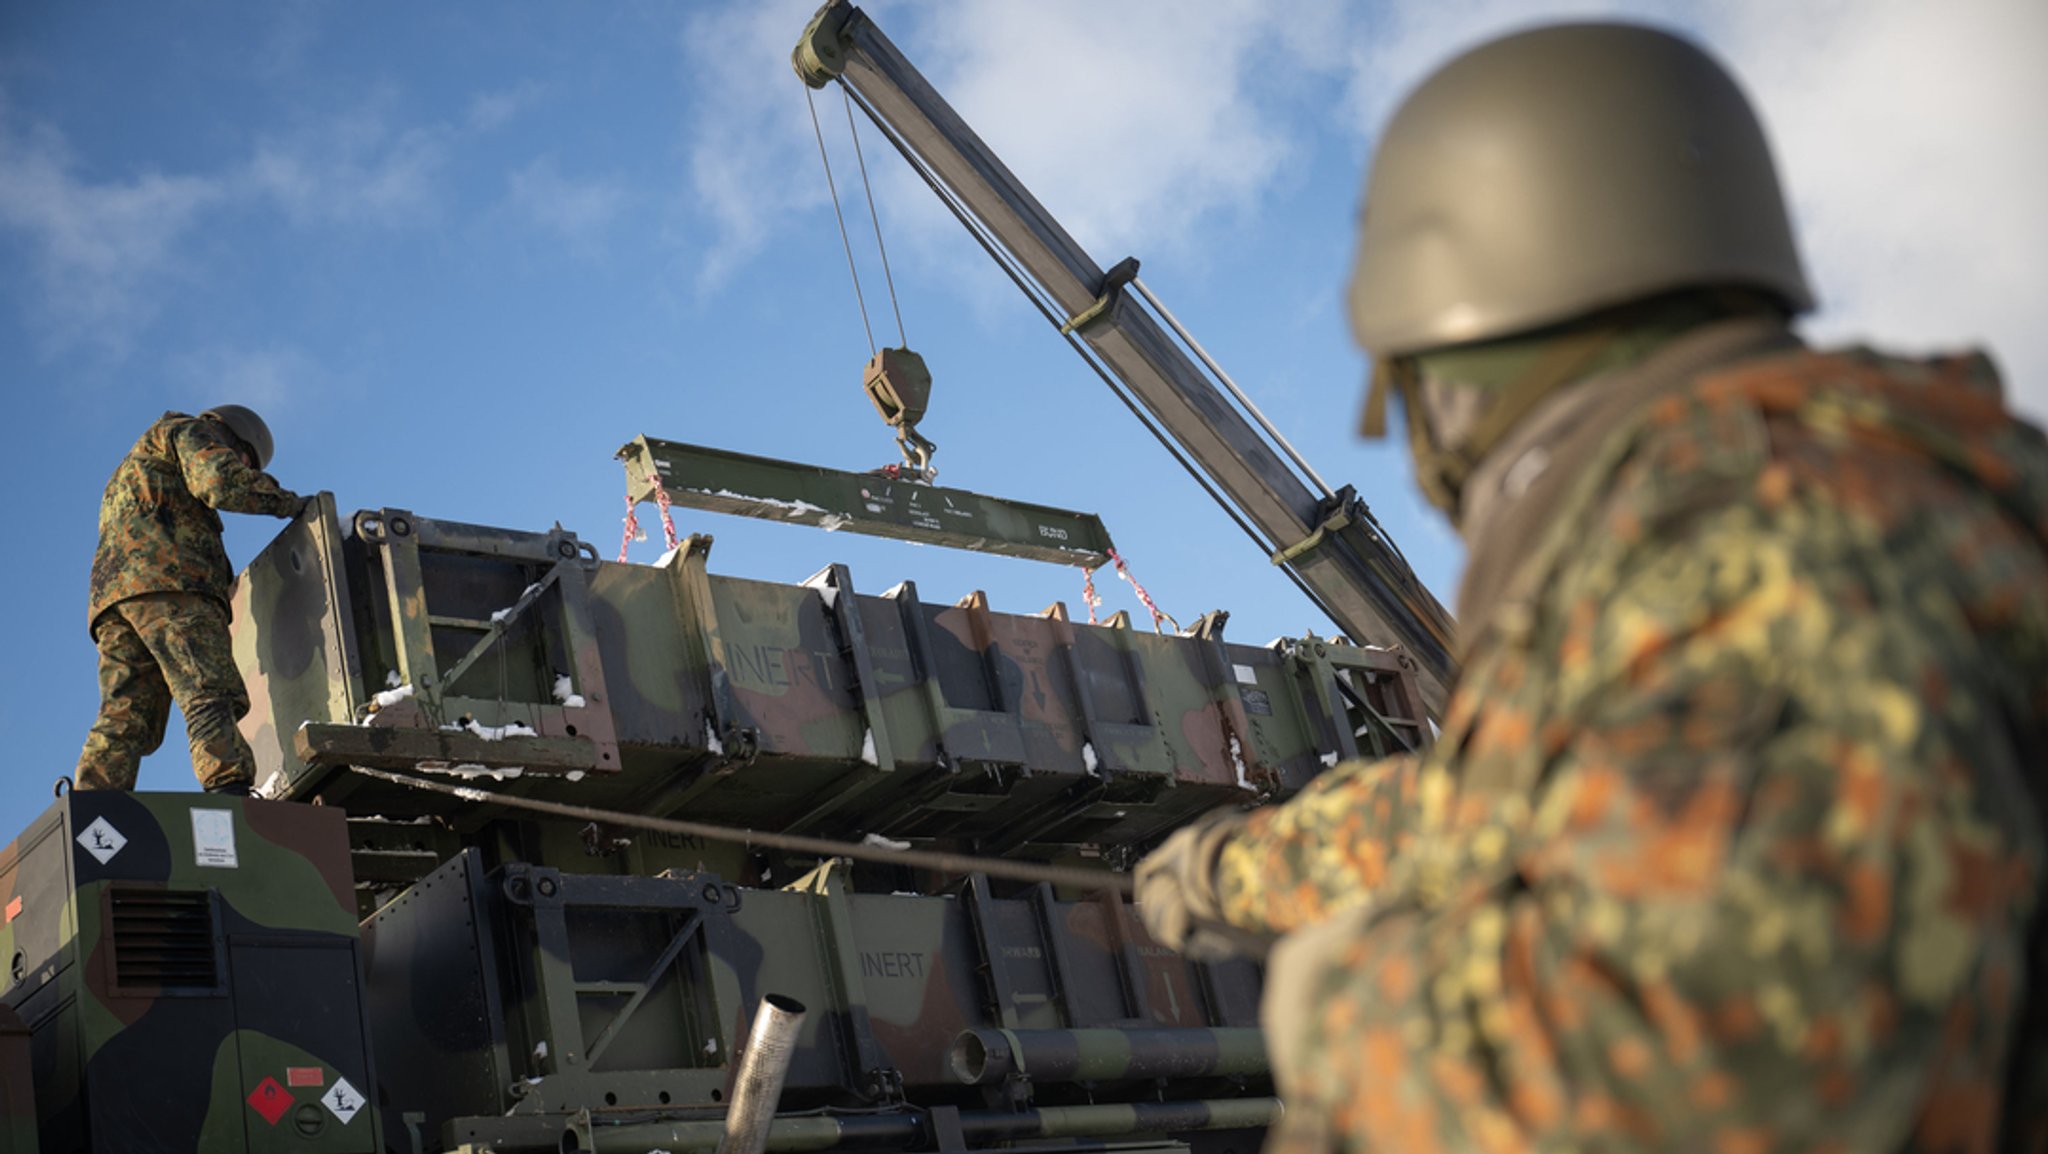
<point>270,1100</point>
<point>305,1076</point>
<point>101,840</point>
<point>341,1100</point>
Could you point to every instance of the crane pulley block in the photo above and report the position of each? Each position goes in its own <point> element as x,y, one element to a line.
<point>900,386</point>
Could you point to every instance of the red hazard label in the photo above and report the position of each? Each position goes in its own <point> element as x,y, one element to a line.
<point>270,1100</point>
<point>304,1076</point>
<point>14,908</point>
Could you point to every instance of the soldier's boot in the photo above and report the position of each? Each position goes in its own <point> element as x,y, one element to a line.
<point>221,759</point>
<point>135,706</point>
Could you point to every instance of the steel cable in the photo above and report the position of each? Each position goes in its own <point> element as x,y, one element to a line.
<point>868,191</point>
<point>833,187</point>
<point>1031,293</point>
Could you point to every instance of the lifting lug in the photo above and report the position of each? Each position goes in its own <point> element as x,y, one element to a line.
<point>1113,282</point>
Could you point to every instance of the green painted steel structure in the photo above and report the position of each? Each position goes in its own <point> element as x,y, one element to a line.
<point>872,503</point>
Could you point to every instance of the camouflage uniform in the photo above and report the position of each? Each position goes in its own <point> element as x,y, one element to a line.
<point>158,610</point>
<point>1733,837</point>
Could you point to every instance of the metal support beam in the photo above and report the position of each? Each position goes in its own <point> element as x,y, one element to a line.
<point>638,991</point>
<point>877,505</point>
<point>840,960</point>
<point>406,747</point>
<point>998,990</point>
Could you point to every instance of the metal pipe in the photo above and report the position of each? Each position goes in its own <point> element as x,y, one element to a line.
<point>784,1136</point>
<point>980,1057</point>
<point>758,1088</point>
<point>1174,323</point>
<point>1110,1119</point>
<point>937,860</point>
<point>907,1129</point>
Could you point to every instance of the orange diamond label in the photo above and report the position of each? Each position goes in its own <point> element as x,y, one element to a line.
<point>270,1100</point>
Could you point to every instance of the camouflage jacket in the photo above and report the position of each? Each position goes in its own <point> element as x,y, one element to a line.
<point>1733,836</point>
<point>159,532</point>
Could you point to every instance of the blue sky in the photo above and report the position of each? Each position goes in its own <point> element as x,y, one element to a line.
<point>459,253</point>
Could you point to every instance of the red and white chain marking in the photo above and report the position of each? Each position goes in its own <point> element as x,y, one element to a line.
<point>1090,596</point>
<point>632,527</point>
<point>1158,614</point>
<point>668,521</point>
<point>1123,570</point>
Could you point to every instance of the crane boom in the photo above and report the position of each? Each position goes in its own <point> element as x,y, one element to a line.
<point>1327,539</point>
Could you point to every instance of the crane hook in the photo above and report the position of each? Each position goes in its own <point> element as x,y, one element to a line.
<point>900,386</point>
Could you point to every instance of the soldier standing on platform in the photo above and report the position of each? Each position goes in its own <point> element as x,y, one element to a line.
<point>159,599</point>
<point>1733,837</point>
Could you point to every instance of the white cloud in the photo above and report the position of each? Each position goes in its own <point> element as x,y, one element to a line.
<point>748,135</point>
<point>1135,123</point>
<point>490,111</point>
<point>266,378</point>
<point>104,249</point>
<point>101,247</point>
<point>357,168</point>
<point>281,51</point>
<point>578,211</point>
<point>1910,139</point>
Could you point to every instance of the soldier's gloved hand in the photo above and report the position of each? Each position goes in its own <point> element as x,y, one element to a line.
<point>1175,890</point>
<point>303,505</point>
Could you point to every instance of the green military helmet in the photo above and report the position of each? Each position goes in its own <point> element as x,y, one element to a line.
<point>1557,172</point>
<point>244,423</point>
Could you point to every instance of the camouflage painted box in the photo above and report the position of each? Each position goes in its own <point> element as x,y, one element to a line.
<point>419,645</point>
<point>561,997</point>
<point>187,966</point>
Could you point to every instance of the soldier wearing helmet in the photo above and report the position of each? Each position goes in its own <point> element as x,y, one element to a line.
<point>1733,837</point>
<point>159,600</point>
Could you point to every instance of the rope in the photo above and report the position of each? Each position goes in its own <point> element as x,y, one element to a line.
<point>1090,596</point>
<point>1158,614</point>
<point>668,520</point>
<point>869,192</point>
<point>858,297</point>
<point>936,860</point>
<point>632,527</point>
